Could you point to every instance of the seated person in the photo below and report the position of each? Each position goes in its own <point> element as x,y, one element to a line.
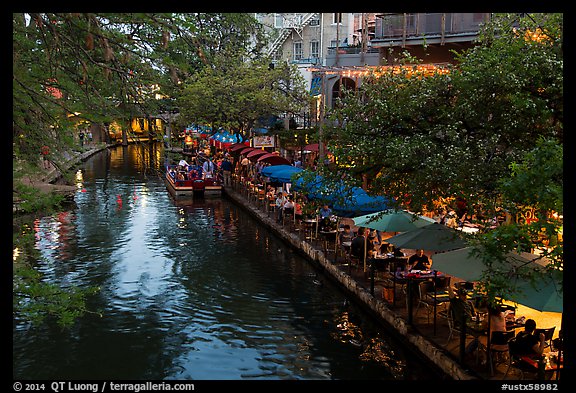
<point>346,234</point>
<point>497,323</point>
<point>397,252</point>
<point>298,210</point>
<point>385,248</point>
<point>460,307</point>
<point>358,244</point>
<point>288,208</point>
<point>419,261</point>
<point>527,343</point>
<point>325,211</point>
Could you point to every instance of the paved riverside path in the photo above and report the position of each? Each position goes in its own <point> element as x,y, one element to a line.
<point>358,286</point>
<point>419,336</point>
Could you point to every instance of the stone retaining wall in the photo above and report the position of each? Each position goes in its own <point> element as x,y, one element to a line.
<point>378,308</point>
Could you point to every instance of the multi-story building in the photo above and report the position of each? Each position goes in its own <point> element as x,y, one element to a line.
<point>431,37</point>
<point>338,48</point>
<point>318,39</point>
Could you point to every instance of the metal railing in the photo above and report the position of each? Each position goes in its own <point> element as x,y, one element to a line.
<point>394,26</point>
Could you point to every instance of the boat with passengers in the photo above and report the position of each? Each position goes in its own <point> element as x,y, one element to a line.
<point>184,179</point>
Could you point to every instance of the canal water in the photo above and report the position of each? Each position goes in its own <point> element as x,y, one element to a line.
<point>193,288</point>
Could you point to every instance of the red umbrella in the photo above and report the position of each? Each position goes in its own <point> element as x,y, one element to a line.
<point>315,147</point>
<point>254,154</point>
<point>273,159</point>
<point>246,150</point>
<point>237,146</point>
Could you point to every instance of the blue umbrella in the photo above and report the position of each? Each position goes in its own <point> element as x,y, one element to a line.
<point>345,201</point>
<point>358,202</point>
<point>267,171</point>
<point>284,176</point>
<point>280,173</point>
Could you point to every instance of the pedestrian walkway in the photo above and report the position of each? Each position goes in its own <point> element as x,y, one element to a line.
<point>433,342</point>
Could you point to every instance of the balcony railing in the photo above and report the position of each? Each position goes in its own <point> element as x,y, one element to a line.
<point>350,50</point>
<point>394,26</point>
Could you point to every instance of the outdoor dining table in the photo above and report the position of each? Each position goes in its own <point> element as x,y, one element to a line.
<point>312,225</point>
<point>546,365</point>
<point>410,277</point>
<point>476,328</point>
<point>327,236</point>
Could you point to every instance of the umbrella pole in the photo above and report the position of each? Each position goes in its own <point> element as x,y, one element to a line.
<point>488,344</point>
<point>560,335</point>
<point>365,244</point>
<point>294,208</point>
<point>435,278</point>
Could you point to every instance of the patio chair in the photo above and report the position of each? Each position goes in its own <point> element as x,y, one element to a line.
<point>499,348</point>
<point>453,328</point>
<point>424,288</point>
<point>516,363</point>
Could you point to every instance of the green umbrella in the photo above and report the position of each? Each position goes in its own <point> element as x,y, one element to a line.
<point>392,221</point>
<point>543,295</point>
<point>431,237</point>
<point>463,264</point>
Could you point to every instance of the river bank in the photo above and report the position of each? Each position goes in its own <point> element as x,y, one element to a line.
<point>44,180</point>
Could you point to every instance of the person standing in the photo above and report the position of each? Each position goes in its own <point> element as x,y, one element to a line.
<point>45,151</point>
<point>208,168</point>
<point>244,167</point>
<point>81,136</point>
<point>226,167</point>
<point>280,201</point>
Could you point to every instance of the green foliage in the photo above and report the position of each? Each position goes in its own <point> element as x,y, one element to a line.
<point>234,94</point>
<point>35,201</point>
<point>108,67</point>
<point>489,131</point>
<point>103,68</point>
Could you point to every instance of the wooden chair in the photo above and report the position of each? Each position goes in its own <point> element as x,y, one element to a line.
<point>262,198</point>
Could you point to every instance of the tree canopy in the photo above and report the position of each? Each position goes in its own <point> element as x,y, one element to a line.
<point>105,67</point>
<point>482,132</point>
<point>237,95</point>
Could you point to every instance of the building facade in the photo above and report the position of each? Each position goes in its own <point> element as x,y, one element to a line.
<point>333,50</point>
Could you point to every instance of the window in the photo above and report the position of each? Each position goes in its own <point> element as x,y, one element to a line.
<point>314,22</point>
<point>298,51</point>
<point>337,18</point>
<point>314,49</point>
<point>259,17</point>
<point>278,21</point>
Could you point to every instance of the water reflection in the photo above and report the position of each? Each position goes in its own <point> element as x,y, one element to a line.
<point>190,289</point>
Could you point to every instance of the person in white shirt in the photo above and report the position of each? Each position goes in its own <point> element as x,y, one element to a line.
<point>208,168</point>
<point>280,201</point>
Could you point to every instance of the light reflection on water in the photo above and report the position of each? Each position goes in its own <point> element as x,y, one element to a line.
<point>193,290</point>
